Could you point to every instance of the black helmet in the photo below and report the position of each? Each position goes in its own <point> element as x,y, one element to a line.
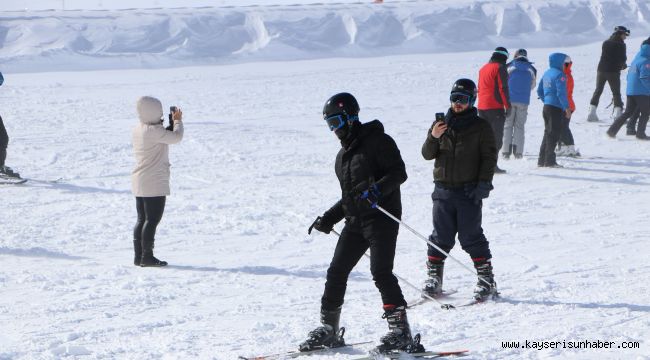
<point>622,30</point>
<point>341,104</point>
<point>464,87</point>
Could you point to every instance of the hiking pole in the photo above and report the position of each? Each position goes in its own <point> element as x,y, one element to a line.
<point>443,306</point>
<point>428,241</point>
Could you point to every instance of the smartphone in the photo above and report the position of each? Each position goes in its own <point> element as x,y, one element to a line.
<point>173,109</point>
<point>440,117</point>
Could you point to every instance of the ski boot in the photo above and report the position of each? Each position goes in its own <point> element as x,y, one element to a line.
<point>398,337</point>
<point>147,259</point>
<point>327,336</point>
<point>433,285</point>
<point>592,117</point>
<point>571,151</point>
<point>486,287</point>
<point>8,172</point>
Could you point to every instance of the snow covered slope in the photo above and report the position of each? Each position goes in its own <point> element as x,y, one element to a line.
<point>255,168</point>
<point>154,38</point>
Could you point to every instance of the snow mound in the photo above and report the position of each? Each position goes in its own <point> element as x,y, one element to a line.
<point>77,40</point>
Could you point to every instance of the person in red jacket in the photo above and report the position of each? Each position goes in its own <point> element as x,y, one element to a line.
<point>566,145</point>
<point>494,96</point>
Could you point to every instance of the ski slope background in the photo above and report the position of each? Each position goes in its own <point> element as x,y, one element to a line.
<point>254,170</point>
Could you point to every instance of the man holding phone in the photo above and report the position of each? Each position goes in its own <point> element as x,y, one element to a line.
<point>463,146</point>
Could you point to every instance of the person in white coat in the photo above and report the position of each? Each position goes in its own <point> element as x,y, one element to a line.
<point>150,177</point>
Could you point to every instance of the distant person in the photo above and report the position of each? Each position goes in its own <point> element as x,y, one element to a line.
<point>494,96</point>
<point>522,78</point>
<point>566,144</point>
<point>612,61</point>
<point>5,171</point>
<point>552,90</point>
<point>150,177</point>
<point>638,93</point>
<point>465,156</point>
<point>370,171</point>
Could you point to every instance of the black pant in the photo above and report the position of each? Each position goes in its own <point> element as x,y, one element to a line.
<point>553,126</point>
<point>4,140</point>
<point>497,119</point>
<point>380,235</point>
<point>634,102</point>
<point>631,124</point>
<point>614,80</point>
<point>455,213</point>
<point>150,211</point>
<point>566,137</point>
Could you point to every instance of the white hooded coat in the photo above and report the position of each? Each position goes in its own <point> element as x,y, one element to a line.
<point>150,177</point>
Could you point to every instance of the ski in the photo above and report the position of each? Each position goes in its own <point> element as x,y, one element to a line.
<point>295,353</point>
<point>7,180</point>
<point>423,300</point>
<point>423,355</point>
<point>52,181</point>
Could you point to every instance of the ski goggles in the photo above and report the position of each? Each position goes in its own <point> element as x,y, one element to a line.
<point>336,122</point>
<point>460,98</point>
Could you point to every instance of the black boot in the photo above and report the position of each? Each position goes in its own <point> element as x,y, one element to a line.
<point>148,260</point>
<point>326,336</point>
<point>433,285</point>
<point>399,332</point>
<point>486,286</point>
<point>137,250</point>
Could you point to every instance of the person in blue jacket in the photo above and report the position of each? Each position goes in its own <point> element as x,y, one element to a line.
<point>552,90</point>
<point>638,93</point>
<point>522,77</point>
<point>4,140</point>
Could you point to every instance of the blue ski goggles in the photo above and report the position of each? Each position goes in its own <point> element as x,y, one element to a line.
<point>460,98</point>
<point>336,122</point>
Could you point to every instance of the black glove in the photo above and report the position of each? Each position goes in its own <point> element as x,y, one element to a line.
<point>321,224</point>
<point>480,191</point>
<point>372,195</point>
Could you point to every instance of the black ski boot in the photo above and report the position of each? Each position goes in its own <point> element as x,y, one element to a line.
<point>485,276</point>
<point>327,336</point>
<point>399,333</point>
<point>137,250</point>
<point>433,285</point>
<point>8,172</point>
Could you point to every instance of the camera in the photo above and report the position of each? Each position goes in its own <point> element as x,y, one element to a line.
<point>172,110</point>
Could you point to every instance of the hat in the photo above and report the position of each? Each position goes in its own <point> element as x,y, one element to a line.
<point>567,60</point>
<point>501,50</point>
<point>149,110</point>
<point>646,41</point>
<point>622,30</point>
<point>521,53</point>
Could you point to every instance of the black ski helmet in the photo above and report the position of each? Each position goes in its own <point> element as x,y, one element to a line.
<point>622,30</point>
<point>341,104</point>
<point>465,86</point>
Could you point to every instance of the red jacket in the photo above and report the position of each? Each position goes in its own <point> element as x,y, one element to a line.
<point>493,90</point>
<point>569,86</point>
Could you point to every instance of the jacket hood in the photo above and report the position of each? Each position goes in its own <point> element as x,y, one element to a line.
<point>371,127</point>
<point>556,60</point>
<point>149,110</point>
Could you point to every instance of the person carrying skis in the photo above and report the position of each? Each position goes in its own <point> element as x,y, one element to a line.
<point>150,177</point>
<point>370,170</point>
<point>522,77</point>
<point>638,93</point>
<point>494,95</point>
<point>612,61</point>
<point>566,144</point>
<point>5,171</point>
<point>552,90</point>
<point>463,178</point>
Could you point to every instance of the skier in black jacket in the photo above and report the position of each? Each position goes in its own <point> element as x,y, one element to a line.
<point>612,61</point>
<point>370,171</point>
<point>463,146</point>
<point>5,171</point>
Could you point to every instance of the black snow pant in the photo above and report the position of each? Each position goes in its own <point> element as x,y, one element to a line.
<point>642,102</point>
<point>150,211</point>
<point>554,117</point>
<point>378,233</point>
<point>455,213</point>
<point>566,137</point>
<point>614,80</point>
<point>497,119</point>
<point>4,140</point>
<point>631,124</point>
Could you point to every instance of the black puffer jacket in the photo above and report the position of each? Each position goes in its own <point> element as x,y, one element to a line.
<point>371,156</point>
<point>614,55</point>
<point>465,154</point>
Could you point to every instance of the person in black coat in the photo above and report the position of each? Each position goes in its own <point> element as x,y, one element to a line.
<point>5,171</point>
<point>612,61</point>
<point>463,146</point>
<point>370,170</point>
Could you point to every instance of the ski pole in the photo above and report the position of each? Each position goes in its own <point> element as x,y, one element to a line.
<point>443,306</point>
<point>429,242</point>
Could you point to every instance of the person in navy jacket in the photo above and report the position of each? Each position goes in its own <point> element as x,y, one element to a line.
<point>638,93</point>
<point>522,77</point>
<point>552,90</point>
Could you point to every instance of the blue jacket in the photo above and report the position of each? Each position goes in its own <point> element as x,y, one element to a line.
<point>552,88</point>
<point>638,75</point>
<point>521,80</point>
